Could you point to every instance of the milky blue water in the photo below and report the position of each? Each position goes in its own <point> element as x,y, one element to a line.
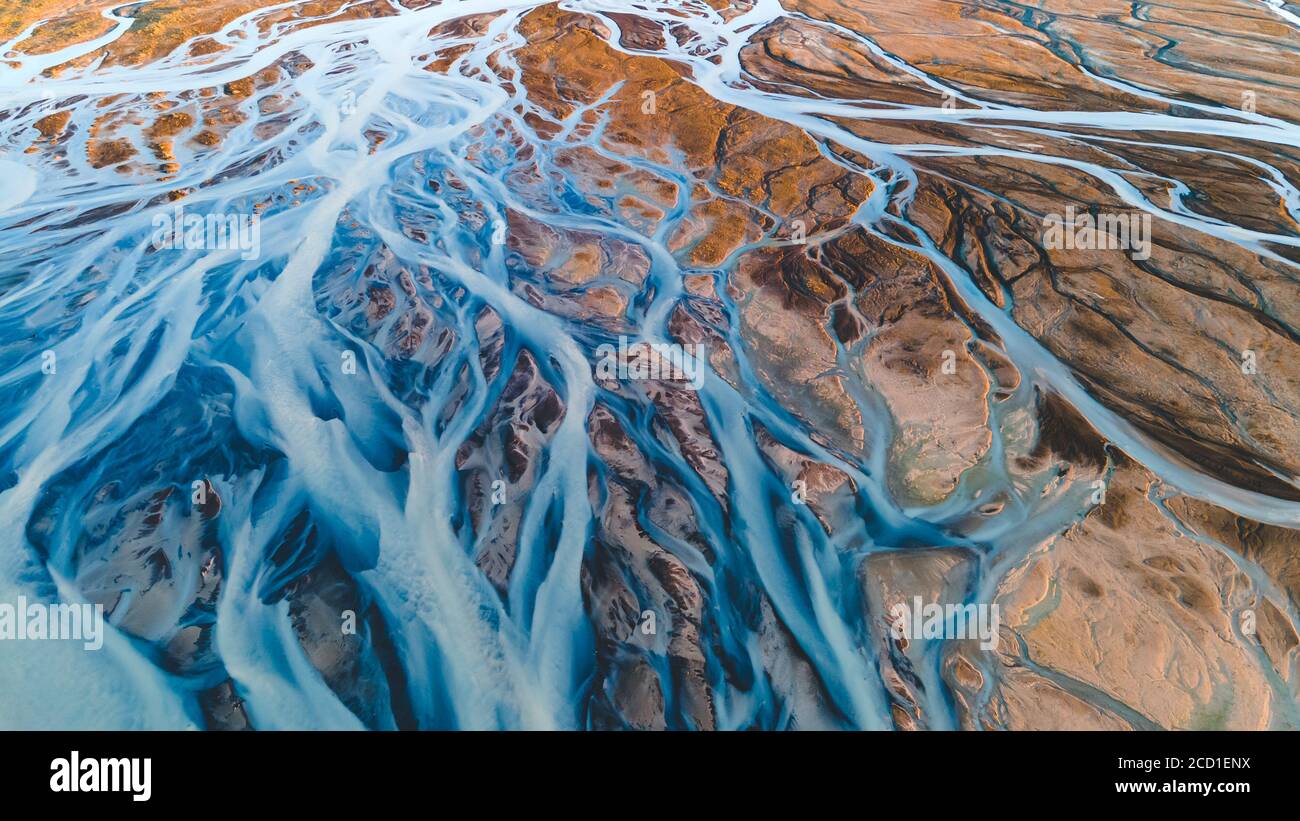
<point>127,370</point>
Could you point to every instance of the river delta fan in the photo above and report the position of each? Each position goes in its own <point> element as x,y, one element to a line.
<point>809,364</point>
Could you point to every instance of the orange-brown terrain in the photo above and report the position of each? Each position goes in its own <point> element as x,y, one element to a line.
<point>632,368</point>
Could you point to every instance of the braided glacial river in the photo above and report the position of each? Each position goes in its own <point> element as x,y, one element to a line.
<point>197,436</point>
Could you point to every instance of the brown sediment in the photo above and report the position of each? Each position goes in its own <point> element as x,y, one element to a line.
<point>996,52</point>
<point>1135,604</point>
<point>18,16</point>
<point>51,126</point>
<point>158,29</point>
<point>103,153</point>
<point>1125,605</point>
<point>1144,335</point>
<point>894,579</point>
